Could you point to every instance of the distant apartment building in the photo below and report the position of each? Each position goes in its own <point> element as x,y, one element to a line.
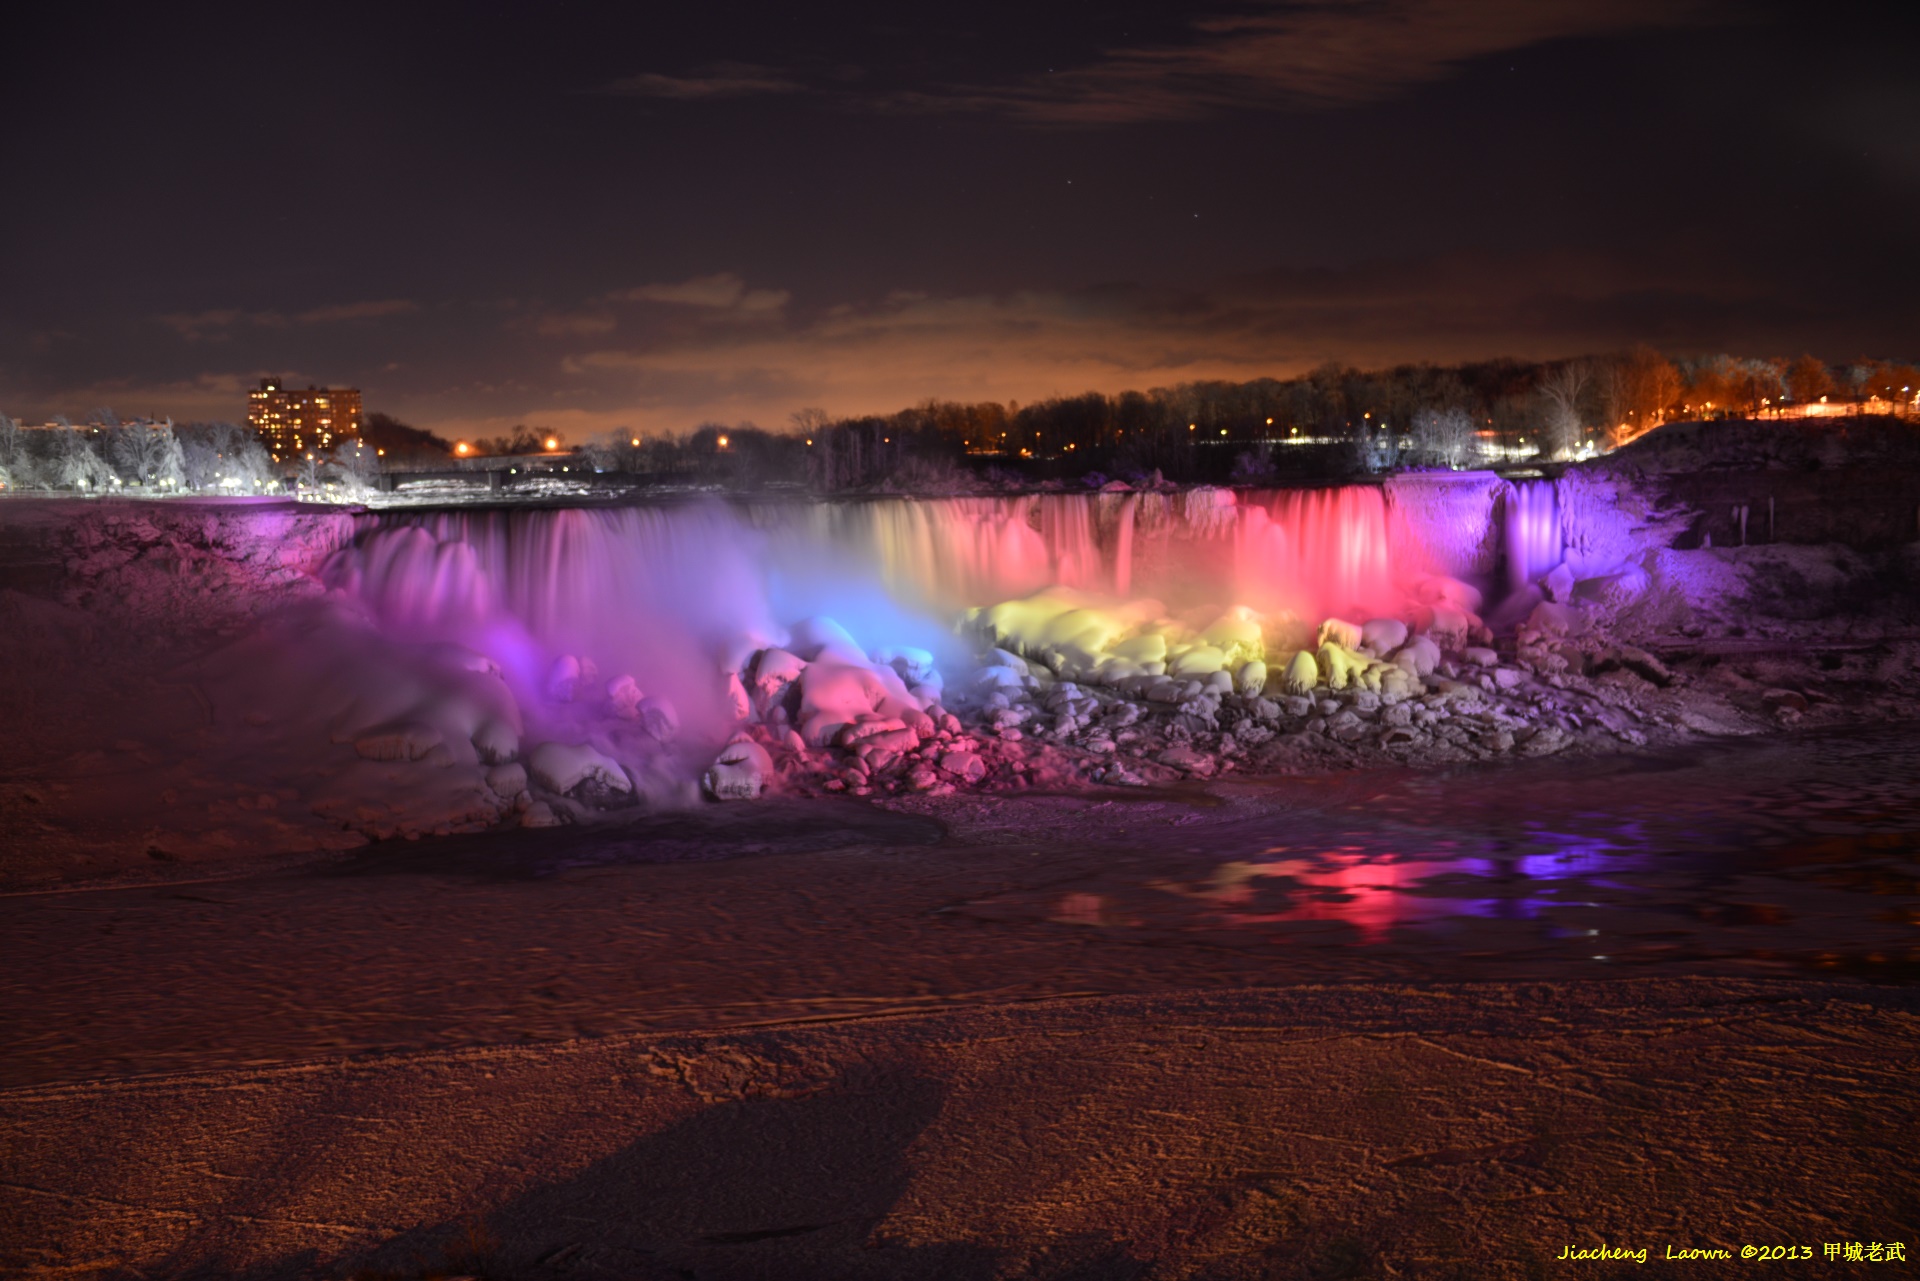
<point>292,422</point>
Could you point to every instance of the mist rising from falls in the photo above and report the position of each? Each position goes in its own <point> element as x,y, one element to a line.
<point>658,587</point>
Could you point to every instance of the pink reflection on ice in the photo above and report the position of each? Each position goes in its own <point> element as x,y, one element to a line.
<point>1377,891</point>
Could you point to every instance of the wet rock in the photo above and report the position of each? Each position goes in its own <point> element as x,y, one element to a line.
<point>1189,760</point>
<point>965,766</point>
<point>1638,661</point>
<point>1792,700</point>
<point>1545,741</point>
<point>1550,619</point>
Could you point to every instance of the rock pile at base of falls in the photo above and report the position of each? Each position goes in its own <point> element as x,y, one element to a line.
<point>1386,689</point>
<point>1062,692</point>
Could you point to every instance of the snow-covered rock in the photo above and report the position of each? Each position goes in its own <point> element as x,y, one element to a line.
<point>562,767</point>
<point>659,718</point>
<point>1382,636</point>
<point>623,698</point>
<point>739,773</point>
<point>1338,631</point>
<point>564,678</point>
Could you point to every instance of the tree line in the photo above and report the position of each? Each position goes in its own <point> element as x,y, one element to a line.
<point>1331,422</point>
<point>1335,420</point>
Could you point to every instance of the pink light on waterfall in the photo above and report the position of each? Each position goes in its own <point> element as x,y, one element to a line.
<point>1318,553</point>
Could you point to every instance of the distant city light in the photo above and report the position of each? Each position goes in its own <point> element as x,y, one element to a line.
<point>553,442</point>
<point>723,441</point>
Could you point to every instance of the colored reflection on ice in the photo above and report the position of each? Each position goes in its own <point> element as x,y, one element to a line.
<point>1377,889</point>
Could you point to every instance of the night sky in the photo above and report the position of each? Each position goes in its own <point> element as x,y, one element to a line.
<point>646,216</point>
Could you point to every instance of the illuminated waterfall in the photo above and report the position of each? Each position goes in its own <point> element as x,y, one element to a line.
<point>673,592</point>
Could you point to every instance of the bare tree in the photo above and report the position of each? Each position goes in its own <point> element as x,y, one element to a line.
<point>16,463</point>
<point>1445,438</point>
<point>146,453</point>
<point>1562,391</point>
<point>1370,452</point>
<point>222,457</point>
<point>357,464</point>
<point>75,464</point>
<point>1808,379</point>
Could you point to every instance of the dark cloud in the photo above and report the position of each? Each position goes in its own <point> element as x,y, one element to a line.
<point>713,81</point>
<point>1324,53</point>
<point>723,292</point>
<point>1370,181</point>
<point>219,323</point>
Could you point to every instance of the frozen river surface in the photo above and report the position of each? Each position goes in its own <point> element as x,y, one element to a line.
<point>1796,855</point>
